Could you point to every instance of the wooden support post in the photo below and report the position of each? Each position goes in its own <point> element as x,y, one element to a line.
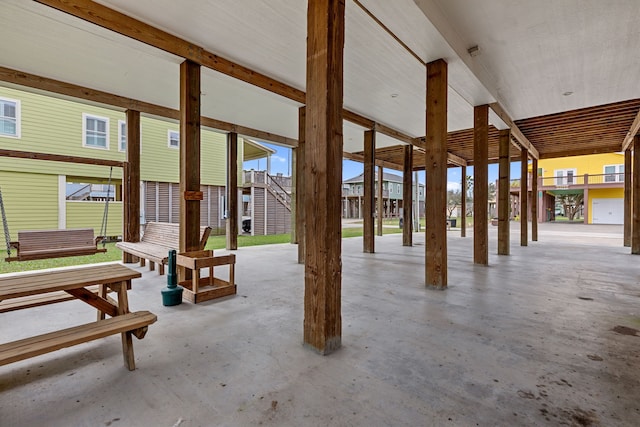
<point>323,175</point>
<point>635,194</point>
<point>380,199</point>
<point>232,191</point>
<point>131,181</point>
<point>627,197</point>
<point>189,160</point>
<point>534,200</point>
<point>436,176</point>
<point>524,190</point>
<point>369,192</point>
<point>407,196</point>
<point>294,192</point>
<point>480,184</point>
<point>504,183</point>
<point>463,204</point>
<point>300,183</point>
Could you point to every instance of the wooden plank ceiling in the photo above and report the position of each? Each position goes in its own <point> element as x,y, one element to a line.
<point>592,130</point>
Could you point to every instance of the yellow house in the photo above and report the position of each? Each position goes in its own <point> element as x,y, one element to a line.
<point>599,178</point>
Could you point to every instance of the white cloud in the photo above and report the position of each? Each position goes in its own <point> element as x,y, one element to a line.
<point>453,186</point>
<point>279,158</point>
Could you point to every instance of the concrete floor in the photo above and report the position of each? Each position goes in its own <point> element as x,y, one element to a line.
<point>527,341</point>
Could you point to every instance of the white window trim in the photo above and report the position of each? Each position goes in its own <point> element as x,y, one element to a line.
<point>169,132</point>
<point>120,123</point>
<point>18,134</point>
<point>564,176</point>
<point>86,116</point>
<point>617,174</point>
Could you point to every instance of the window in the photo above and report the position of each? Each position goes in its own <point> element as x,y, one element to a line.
<point>95,131</point>
<point>122,135</point>
<point>565,176</point>
<point>614,173</point>
<point>174,138</point>
<point>398,188</point>
<point>9,118</point>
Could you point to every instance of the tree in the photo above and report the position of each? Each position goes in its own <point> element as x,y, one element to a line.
<point>469,195</point>
<point>454,199</point>
<point>571,203</point>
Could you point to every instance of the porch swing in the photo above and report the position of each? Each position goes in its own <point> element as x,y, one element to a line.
<point>58,243</point>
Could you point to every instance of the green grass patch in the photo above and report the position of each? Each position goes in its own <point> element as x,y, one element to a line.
<point>115,254</point>
<point>220,242</point>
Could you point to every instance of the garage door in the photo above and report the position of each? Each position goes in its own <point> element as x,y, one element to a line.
<point>608,211</point>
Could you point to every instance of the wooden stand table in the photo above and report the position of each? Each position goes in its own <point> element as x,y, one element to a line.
<point>200,289</point>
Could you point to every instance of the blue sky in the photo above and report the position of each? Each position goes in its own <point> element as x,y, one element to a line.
<point>281,163</point>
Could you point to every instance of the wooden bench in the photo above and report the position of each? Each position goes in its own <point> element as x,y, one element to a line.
<point>156,242</point>
<point>45,287</point>
<point>45,343</point>
<point>42,244</point>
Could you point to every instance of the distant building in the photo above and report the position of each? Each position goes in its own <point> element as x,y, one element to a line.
<point>353,196</point>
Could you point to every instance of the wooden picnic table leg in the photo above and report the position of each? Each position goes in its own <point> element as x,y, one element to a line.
<point>152,266</point>
<point>102,293</point>
<point>143,262</point>
<point>127,341</point>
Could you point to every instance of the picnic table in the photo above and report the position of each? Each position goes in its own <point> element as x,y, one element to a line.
<point>89,284</point>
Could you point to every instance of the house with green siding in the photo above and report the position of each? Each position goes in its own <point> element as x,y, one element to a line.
<point>40,194</point>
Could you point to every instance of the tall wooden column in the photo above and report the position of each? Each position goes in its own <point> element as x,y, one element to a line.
<point>232,191</point>
<point>369,184</point>
<point>323,175</point>
<point>131,183</point>
<point>503,192</point>
<point>300,180</point>
<point>534,200</point>
<point>480,184</point>
<point>294,195</point>
<point>627,197</point>
<point>463,202</point>
<point>524,190</point>
<point>635,194</point>
<point>407,196</point>
<point>190,194</point>
<point>436,176</point>
<point>380,199</point>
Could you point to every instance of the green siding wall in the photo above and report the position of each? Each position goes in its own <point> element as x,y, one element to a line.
<point>30,201</point>
<point>53,125</point>
<point>89,215</point>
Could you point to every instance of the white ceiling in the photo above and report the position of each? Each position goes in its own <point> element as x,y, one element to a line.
<point>531,52</point>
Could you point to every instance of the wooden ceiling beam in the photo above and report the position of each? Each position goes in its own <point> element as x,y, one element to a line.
<point>452,159</point>
<point>515,131</point>
<point>21,78</point>
<point>127,26</point>
<point>633,131</point>
<point>60,158</point>
<point>360,158</point>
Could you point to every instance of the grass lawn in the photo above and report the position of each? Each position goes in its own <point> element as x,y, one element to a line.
<point>115,254</point>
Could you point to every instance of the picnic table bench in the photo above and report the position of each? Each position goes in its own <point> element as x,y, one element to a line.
<point>156,242</point>
<point>77,283</point>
